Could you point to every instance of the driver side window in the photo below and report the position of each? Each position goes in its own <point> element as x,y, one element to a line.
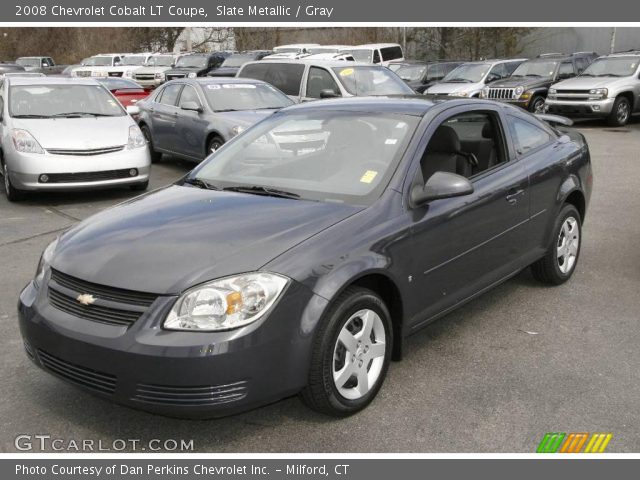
<point>189,94</point>
<point>319,80</point>
<point>497,72</point>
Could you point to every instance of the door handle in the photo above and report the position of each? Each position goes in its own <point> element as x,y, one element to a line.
<point>512,196</point>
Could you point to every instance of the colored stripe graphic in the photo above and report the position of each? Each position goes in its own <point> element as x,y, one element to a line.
<point>550,443</point>
<point>556,442</point>
<point>574,442</point>
<point>598,443</point>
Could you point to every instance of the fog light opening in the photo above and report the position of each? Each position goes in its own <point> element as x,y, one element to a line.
<point>133,172</point>
<point>44,178</point>
<point>596,108</point>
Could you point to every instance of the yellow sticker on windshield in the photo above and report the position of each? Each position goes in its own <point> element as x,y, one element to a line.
<point>346,72</point>
<point>368,176</point>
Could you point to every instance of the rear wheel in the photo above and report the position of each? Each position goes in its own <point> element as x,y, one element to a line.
<point>155,156</point>
<point>214,144</point>
<point>620,112</point>
<point>13,194</point>
<point>537,104</point>
<point>557,266</point>
<point>351,354</point>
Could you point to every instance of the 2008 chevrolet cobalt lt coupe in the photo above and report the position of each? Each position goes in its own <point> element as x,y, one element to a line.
<point>297,257</point>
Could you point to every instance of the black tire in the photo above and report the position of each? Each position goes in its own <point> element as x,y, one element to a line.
<point>537,102</point>
<point>321,393</point>
<point>616,118</point>
<point>214,144</point>
<point>140,187</point>
<point>155,156</point>
<point>13,194</point>
<point>548,268</point>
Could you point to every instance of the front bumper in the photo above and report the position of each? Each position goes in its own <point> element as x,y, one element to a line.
<point>580,108</point>
<point>78,172</point>
<point>184,374</point>
<point>156,82</point>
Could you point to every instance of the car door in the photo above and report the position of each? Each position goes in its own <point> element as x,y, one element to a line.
<point>318,80</point>
<point>463,245</point>
<point>164,116</point>
<point>192,127</point>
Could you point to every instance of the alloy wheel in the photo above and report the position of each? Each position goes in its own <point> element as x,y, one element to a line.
<point>359,354</point>
<point>538,106</point>
<point>623,112</point>
<point>568,245</point>
<point>7,184</point>
<point>213,146</point>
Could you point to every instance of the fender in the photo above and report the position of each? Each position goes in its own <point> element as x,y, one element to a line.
<point>569,185</point>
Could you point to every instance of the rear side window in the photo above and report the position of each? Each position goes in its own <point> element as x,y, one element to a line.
<point>566,69</point>
<point>581,64</point>
<point>189,95</point>
<point>511,66</point>
<point>391,53</point>
<point>284,76</point>
<point>169,95</point>
<point>527,136</point>
<point>376,56</point>
<point>319,79</point>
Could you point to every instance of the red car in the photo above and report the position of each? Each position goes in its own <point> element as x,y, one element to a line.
<point>126,91</point>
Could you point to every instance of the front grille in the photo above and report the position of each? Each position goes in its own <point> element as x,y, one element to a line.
<point>85,152</point>
<point>173,76</point>
<point>572,95</point>
<point>81,177</point>
<point>83,73</point>
<point>82,376</point>
<point>115,74</point>
<point>501,94</point>
<point>113,306</point>
<point>191,396</point>
<point>144,76</point>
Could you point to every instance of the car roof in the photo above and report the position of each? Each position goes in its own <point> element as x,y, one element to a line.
<point>322,63</point>
<point>51,81</point>
<point>416,105</point>
<point>374,45</point>
<point>217,80</point>
<point>496,61</point>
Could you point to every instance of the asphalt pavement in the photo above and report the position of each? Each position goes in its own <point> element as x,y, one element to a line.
<point>494,376</point>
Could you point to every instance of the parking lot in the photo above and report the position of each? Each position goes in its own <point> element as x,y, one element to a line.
<point>494,376</point>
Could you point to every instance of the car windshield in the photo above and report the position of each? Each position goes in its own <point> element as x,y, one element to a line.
<point>226,97</point>
<point>362,55</point>
<point>612,67</point>
<point>28,62</point>
<point>99,61</point>
<point>535,69</point>
<point>411,73</point>
<point>133,60</point>
<point>331,156</point>
<point>314,50</point>
<point>160,61</point>
<point>192,61</point>
<point>118,83</point>
<point>368,81</point>
<point>60,101</point>
<point>468,73</point>
<point>287,50</point>
<point>237,60</point>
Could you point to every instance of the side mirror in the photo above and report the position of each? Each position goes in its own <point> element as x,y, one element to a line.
<point>191,106</point>
<point>328,93</point>
<point>440,185</point>
<point>133,110</point>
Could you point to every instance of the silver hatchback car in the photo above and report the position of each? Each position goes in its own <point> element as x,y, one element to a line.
<point>67,134</point>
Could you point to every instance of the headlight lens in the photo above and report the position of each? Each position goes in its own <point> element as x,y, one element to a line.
<point>97,73</point>
<point>136,138</point>
<point>598,93</point>
<point>128,73</point>
<point>159,76</point>
<point>484,93</point>
<point>518,91</point>
<point>24,142</point>
<point>552,93</point>
<point>458,94</point>
<point>227,303</point>
<point>238,129</point>
<point>192,75</point>
<point>45,261</point>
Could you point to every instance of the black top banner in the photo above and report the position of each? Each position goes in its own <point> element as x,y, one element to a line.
<point>319,11</point>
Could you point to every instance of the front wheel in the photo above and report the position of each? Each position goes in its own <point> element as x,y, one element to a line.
<point>620,112</point>
<point>214,144</point>
<point>537,104</point>
<point>351,354</point>
<point>557,266</point>
<point>155,155</point>
<point>13,194</point>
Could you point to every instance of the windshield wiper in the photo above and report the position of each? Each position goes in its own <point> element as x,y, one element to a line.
<point>81,114</point>
<point>200,183</point>
<point>532,75</point>
<point>260,190</point>
<point>459,80</point>
<point>609,75</point>
<point>227,110</point>
<point>31,116</point>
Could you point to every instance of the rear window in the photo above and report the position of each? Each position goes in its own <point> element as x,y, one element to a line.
<point>391,53</point>
<point>284,76</point>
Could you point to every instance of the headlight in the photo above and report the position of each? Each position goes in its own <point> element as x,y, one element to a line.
<point>24,142</point>
<point>238,129</point>
<point>484,93</point>
<point>96,73</point>
<point>598,93</point>
<point>227,303</point>
<point>192,75</point>
<point>159,76</point>
<point>552,93</point>
<point>128,73</point>
<point>518,91</point>
<point>458,94</point>
<point>45,261</point>
<point>136,138</point>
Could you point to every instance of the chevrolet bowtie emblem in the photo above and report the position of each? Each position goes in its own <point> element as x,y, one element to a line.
<point>86,299</point>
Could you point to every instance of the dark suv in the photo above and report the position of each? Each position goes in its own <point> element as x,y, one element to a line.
<point>196,65</point>
<point>232,63</point>
<point>528,85</point>
<point>421,75</point>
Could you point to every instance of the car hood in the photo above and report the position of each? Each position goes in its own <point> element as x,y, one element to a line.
<point>169,240</point>
<point>77,133</point>
<point>587,83</point>
<point>455,87</point>
<point>153,69</point>
<point>526,82</point>
<point>246,117</point>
